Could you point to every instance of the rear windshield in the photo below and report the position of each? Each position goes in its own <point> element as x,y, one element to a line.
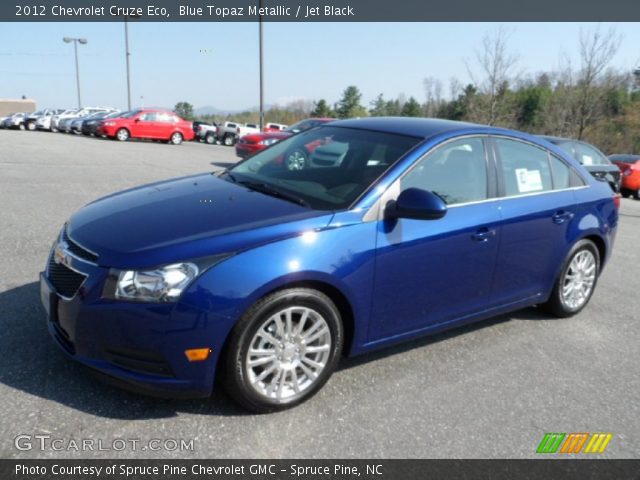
<point>326,168</point>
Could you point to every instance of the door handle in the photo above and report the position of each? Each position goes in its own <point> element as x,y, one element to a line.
<point>483,234</point>
<point>561,216</point>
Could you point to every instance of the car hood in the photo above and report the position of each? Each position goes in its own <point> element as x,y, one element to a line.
<point>257,137</point>
<point>185,218</point>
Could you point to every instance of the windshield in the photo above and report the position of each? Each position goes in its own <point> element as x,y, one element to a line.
<point>326,168</point>
<point>130,114</point>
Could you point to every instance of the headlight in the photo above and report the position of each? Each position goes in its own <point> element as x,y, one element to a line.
<point>164,284</point>
<point>268,141</point>
<point>109,124</point>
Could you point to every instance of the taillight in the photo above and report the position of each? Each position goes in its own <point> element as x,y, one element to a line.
<point>616,200</point>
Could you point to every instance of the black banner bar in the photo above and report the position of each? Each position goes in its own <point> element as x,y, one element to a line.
<point>317,10</point>
<point>318,469</point>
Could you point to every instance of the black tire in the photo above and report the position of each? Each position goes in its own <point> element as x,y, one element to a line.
<point>31,126</point>
<point>210,138</point>
<point>625,192</point>
<point>229,140</point>
<point>123,134</point>
<point>235,377</point>
<point>556,303</point>
<point>636,194</point>
<point>296,159</point>
<point>22,126</point>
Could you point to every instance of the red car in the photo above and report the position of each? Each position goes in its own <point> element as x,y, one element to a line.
<point>148,123</point>
<point>252,143</point>
<point>629,166</point>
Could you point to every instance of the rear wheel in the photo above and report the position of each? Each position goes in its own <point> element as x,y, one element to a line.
<point>636,194</point>
<point>22,127</point>
<point>123,135</point>
<point>176,138</point>
<point>283,350</point>
<point>577,281</point>
<point>31,126</point>
<point>625,192</point>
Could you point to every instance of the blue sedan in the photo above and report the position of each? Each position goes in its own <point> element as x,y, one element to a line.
<point>263,276</point>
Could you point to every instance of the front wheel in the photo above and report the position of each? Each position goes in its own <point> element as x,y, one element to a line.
<point>31,126</point>
<point>210,138</point>
<point>283,350</point>
<point>636,194</point>
<point>122,134</point>
<point>577,280</point>
<point>176,138</point>
<point>22,127</point>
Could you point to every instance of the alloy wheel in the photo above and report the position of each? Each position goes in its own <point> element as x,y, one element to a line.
<point>579,279</point>
<point>288,353</point>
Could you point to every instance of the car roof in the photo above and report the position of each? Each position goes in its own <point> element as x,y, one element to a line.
<point>412,126</point>
<point>553,139</point>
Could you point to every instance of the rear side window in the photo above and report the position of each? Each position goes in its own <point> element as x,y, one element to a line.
<point>525,168</point>
<point>561,173</point>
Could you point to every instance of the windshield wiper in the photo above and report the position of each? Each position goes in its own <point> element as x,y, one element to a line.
<point>228,174</point>
<point>274,192</point>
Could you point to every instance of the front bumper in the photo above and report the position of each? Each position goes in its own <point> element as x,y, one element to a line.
<point>244,150</point>
<point>138,346</point>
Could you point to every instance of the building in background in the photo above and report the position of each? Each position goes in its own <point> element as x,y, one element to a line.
<point>8,105</point>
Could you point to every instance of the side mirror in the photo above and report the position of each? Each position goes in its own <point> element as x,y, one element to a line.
<point>417,204</point>
<point>137,120</point>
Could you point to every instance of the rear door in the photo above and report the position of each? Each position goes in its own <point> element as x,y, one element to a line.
<point>537,208</point>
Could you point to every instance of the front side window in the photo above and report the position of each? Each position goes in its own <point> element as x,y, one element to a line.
<point>456,171</point>
<point>525,168</point>
<point>326,168</point>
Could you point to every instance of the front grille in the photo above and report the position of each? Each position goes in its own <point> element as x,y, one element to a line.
<point>139,361</point>
<point>77,250</point>
<point>66,281</point>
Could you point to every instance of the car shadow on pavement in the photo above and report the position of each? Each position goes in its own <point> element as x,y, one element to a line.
<point>531,313</point>
<point>33,363</point>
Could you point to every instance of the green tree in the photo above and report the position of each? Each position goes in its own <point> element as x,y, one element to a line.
<point>349,105</point>
<point>378,107</point>
<point>393,108</point>
<point>322,109</point>
<point>411,108</point>
<point>184,109</point>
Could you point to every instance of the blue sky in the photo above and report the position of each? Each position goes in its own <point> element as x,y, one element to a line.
<point>217,63</point>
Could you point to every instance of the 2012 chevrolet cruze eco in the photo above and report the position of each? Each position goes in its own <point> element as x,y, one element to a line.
<point>264,276</point>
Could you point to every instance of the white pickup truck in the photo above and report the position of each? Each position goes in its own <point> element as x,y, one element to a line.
<point>247,129</point>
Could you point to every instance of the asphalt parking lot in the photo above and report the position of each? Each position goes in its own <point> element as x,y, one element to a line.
<point>488,391</point>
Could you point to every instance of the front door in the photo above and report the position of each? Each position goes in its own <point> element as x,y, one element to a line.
<point>435,271</point>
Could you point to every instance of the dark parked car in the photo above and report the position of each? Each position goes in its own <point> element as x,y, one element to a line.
<point>591,158</point>
<point>265,276</point>
<point>91,124</point>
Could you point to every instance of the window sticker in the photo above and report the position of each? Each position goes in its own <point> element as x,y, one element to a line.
<point>528,180</point>
<point>587,160</point>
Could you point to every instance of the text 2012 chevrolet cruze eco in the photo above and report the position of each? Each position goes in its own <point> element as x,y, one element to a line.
<point>264,276</point>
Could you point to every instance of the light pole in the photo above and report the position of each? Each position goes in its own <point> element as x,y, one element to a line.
<point>81,41</point>
<point>127,55</point>
<point>261,74</point>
